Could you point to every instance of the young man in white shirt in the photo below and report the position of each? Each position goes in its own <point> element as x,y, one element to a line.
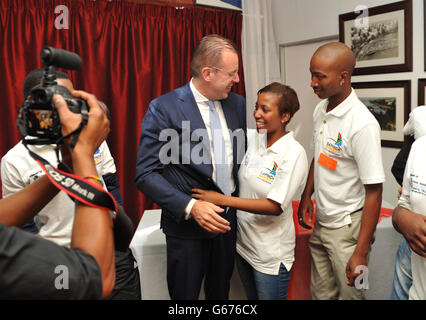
<point>346,175</point>
<point>19,169</point>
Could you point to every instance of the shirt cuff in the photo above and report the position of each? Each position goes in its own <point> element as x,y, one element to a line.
<point>188,209</point>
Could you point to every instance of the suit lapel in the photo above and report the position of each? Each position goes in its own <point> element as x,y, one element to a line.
<point>191,113</point>
<point>230,114</point>
<point>189,108</point>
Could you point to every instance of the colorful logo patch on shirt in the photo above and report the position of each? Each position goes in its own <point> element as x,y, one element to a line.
<point>334,146</point>
<point>268,175</point>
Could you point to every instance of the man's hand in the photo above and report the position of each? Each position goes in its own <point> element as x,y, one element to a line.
<point>206,215</point>
<point>354,261</point>
<point>306,212</point>
<point>369,218</point>
<point>97,128</point>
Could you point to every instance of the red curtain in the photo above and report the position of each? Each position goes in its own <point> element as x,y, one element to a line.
<point>131,54</point>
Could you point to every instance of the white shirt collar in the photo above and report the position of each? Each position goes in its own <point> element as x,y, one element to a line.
<point>343,107</point>
<point>278,145</point>
<point>197,95</point>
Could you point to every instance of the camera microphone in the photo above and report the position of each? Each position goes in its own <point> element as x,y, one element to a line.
<point>60,58</point>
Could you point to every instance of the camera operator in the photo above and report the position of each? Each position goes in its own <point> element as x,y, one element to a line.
<point>28,263</point>
<point>18,169</point>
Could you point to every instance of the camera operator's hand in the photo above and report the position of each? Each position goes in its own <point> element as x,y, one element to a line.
<point>97,128</point>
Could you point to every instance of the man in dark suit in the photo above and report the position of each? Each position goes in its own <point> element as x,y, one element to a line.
<point>178,152</point>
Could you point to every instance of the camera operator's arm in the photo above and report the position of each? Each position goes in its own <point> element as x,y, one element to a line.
<point>30,264</point>
<point>22,206</point>
<point>92,230</point>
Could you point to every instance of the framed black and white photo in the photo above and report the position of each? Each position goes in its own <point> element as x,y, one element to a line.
<point>224,4</point>
<point>380,37</point>
<point>422,92</point>
<point>389,102</point>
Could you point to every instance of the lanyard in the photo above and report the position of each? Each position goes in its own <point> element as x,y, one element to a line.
<point>76,187</point>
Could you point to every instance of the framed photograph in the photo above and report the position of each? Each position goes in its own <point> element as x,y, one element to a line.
<point>422,92</point>
<point>389,102</point>
<point>380,37</point>
<point>224,4</point>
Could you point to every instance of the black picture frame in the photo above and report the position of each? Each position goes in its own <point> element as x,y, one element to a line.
<point>375,36</point>
<point>389,102</point>
<point>421,92</point>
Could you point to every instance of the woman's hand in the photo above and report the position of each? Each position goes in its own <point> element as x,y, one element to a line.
<point>209,196</point>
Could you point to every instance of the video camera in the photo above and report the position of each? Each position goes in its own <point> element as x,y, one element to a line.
<point>39,124</point>
<point>38,116</point>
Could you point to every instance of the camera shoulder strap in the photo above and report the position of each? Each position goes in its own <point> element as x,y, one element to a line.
<point>76,187</point>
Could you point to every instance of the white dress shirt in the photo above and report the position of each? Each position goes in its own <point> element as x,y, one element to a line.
<point>205,115</point>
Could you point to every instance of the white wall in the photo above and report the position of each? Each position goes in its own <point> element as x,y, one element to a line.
<point>300,25</point>
<point>299,20</point>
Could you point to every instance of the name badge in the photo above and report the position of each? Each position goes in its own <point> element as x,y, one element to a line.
<point>327,162</point>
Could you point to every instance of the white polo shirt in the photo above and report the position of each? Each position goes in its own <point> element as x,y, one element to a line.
<point>19,169</point>
<point>277,173</point>
<point>413,198</point>
<point>347,144</point>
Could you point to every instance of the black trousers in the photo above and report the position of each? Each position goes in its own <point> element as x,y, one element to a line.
<point>189,261</point>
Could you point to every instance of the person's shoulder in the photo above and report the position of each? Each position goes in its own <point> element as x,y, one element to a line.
<point>295,146</point>
<point>18,150</point>
<point>361,115</point>
<point>17,147</point>
<point>419,143</point>
<point>172,94</point>
<point>236,97</point>
<point>418,151</point>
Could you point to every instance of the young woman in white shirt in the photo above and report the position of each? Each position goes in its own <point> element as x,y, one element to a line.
<point>272,174</point>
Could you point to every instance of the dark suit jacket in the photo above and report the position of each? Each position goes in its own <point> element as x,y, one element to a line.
<point>171,131</point>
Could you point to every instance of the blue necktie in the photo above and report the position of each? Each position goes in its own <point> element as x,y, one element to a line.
<point>219,151</point>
